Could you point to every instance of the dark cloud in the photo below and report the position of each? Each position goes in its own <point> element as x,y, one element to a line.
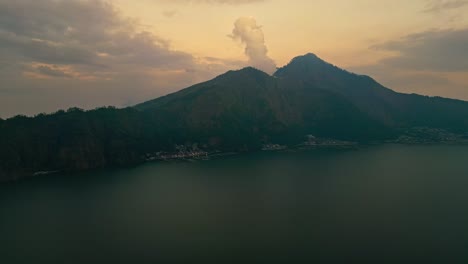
<point>431,63</point>
<point>401,79</point>
<point>52,71</point>
<point>87,33</point>
<point>435,6</point>
<point>436,50</point>
<point>426,83</point>
<point>62,53</point>
<point>42,50</point>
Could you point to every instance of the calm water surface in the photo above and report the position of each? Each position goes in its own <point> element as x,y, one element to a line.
<point>385,204</point>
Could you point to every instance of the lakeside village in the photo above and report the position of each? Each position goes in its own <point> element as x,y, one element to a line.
<point>194,152</point>
<point>413,136</point>
<point>424,135</point>
<point>418,135</point>
<point>191,152</point>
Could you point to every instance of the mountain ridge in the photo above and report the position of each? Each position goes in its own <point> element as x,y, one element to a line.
<point>240,110</point>
<point>361,90</point>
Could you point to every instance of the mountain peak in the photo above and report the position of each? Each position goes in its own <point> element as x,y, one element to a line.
<point>309,58</point>
<point>244,73</point>
<point>306,64</point>
<point>250,69</point>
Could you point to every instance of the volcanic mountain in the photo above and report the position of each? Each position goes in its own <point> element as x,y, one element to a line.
<point>307,96</point>
<point>237,111</point>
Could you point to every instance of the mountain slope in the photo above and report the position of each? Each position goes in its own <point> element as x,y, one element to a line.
<point>392,108</point>
<point>237,111</point>
<point>368,95</point>
<point>251,103</point>
<point>307,96</point>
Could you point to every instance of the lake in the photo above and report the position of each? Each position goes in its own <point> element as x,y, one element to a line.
<point>378,204</point>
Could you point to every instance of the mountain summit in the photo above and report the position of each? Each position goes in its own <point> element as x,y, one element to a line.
<point>240,110</point>
<point>307,60</point>
<point>307,86</point>
<point>308,65</point>
<point>307,96</point>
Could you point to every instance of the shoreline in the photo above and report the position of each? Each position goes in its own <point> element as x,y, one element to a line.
<point>207,156</point>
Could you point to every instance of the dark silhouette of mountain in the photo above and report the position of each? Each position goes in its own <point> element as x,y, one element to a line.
<point>392,108</point>
<point>238,111</point>
<point>252,103</point>
<point>311,95</point>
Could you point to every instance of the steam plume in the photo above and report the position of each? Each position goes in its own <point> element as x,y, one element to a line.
<point>249,33</point>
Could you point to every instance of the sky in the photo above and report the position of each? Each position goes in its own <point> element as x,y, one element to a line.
<point>56,54</point>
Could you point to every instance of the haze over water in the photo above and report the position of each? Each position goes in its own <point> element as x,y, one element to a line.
<point>385,204</point>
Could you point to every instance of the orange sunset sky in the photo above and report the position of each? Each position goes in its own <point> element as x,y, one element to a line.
<point>87,53</point>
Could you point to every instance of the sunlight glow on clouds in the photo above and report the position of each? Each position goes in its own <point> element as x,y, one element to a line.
<point>88,53</point>
<point>52,40</point>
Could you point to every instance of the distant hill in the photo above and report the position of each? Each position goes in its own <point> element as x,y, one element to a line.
<point>238,111</point>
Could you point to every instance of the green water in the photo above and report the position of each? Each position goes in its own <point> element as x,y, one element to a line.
<point>384,204</point>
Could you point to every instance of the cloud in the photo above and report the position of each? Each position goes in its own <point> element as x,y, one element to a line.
<point>436,6</point>
<point>228,2</point>
<point>405,81</point>
<point>62,53</point>
<point>426,83</point>
<point>57,32</point>
<point>436,50</point>
<point>433,62</point>
<point>52,71</point>
<point>249,33</point>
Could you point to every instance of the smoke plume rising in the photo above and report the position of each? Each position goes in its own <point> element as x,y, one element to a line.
<point>249,33</point>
